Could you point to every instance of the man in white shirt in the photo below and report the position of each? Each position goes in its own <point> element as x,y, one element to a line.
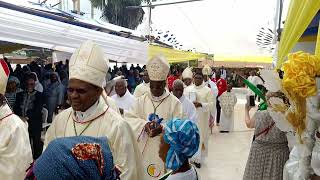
<point>253,79</point>
<point>123,97</point>
<point>223,72</point>
<point>189,110</point>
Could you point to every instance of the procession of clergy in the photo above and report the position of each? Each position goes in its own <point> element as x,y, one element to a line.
<point>135,125</point>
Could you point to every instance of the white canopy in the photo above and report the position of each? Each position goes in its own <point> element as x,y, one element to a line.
<point>23,28</point>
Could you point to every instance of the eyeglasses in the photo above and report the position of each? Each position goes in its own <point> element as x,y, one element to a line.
<point>79,91</point>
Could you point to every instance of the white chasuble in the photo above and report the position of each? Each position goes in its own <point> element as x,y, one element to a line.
<point>167,107</point>
<point>15,149</point>
<point>227,102</point>
<point>104,121</point>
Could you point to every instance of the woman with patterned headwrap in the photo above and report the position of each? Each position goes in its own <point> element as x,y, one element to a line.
<point>179,142</point>
<point>78,157</point>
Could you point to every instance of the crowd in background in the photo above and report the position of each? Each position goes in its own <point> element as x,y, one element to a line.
<point>37,92</point>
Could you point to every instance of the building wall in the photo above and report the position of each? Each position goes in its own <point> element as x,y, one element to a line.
<point>305,46</point>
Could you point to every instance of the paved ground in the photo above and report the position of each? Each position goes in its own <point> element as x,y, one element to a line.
<point>228,153</point>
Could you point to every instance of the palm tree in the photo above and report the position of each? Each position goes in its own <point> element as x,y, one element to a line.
<point>115,11</point>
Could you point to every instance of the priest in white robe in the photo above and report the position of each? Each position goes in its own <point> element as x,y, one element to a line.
<point>227,100</point>
<point>124,99</point>
<point>187,76</point>
<point>144,87</point>
<point>150,112</point>
<point>15,148</point>
<point>89,114</point>
<point>207,71</point>
<point>189,110</point>
<point>205,103</point>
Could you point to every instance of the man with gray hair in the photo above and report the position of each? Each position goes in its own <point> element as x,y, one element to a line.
<point>189,110</point>
<point>123,98</point>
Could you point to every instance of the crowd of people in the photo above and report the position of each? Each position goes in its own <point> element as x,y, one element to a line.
<point>145,122</point>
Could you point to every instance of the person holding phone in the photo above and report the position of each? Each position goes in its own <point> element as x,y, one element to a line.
<point>269,150</point>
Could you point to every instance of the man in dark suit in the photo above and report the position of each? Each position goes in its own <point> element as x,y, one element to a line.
<point>28,106</point>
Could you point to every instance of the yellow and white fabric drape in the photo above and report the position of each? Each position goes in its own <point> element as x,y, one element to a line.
<point>300,14</point>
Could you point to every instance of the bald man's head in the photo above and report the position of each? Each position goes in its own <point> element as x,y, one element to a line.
<point>178,88</point>
<point>121,87</point>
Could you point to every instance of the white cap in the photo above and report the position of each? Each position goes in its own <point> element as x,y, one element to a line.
<point>158,68</point>
<point>187,73</point>
<point>89,64</point>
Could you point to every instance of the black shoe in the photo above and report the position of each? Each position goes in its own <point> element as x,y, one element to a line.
<point>198,165</point>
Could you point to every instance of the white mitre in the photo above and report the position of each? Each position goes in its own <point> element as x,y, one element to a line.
<point>89,64</point>
<point>206,70</point>
<point>4,74</point>
<point>187,73</point>
<point>158,68</point>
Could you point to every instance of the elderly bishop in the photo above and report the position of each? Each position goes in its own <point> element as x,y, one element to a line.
<point>89,114</point>
<point>150,112</point>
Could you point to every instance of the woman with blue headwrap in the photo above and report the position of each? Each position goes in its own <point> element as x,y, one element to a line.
<point>179,142</point>
<point>75,158</point>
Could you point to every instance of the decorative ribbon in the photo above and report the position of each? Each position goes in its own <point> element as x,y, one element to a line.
<point>263,105</point>
<point>299,81</point>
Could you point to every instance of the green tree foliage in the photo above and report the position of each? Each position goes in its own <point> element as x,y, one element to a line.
<point>115,11</point>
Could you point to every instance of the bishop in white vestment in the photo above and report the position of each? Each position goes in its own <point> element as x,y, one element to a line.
<point>15,149</point>
<point>89,114</point>
<point>159,102</point>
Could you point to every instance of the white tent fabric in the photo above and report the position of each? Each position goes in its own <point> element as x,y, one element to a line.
<point>23,28</point>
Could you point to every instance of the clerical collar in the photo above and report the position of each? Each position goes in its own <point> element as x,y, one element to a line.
<point>81,116</point>
<point>156,99</point>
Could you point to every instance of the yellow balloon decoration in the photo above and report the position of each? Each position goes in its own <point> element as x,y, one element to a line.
<point>299,81</point>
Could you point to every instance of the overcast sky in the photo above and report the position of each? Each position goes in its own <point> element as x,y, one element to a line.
<point>227,27</point>
<point>222,27</point>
